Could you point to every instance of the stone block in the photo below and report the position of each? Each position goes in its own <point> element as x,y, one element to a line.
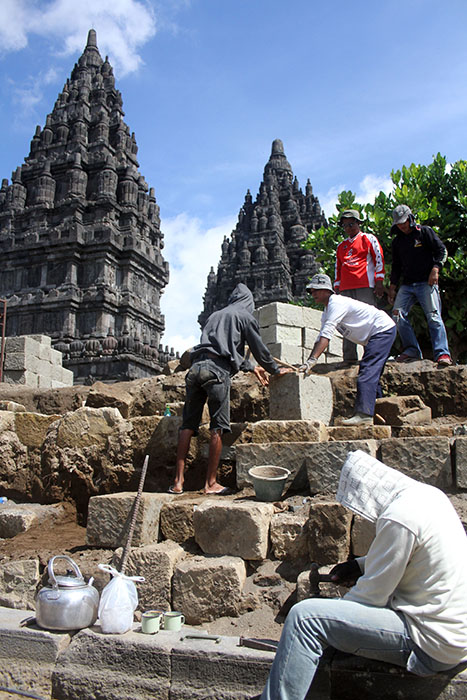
<point>56,357</point>
<point>204,670</point>
<point>356,432</point>
<point>15,519</point>
<point>44,340</point>
<point>288,534</point>
<point>88,426</point>
<point>206,588</point>
<point>11,406</point>
<point>358,678</point>
<point>291,455</point>
<point>284,431</point>
<point>324,462</point>
<point>426,459</point>
<point>109,518</point>
<point>22,344</point>
<point>28,655</point>
<point>311,317</point>
<point>423,430</point>
<point>156,562</point>
<point>44,381</point>
<point>17,361</point>
<point>292,354</point>
<point>328,532</point>
<point>18,583</point>
<point>305,588</point>
<point>296,397</point>
<point>7,420</point>
<point>176,520</point>
<point>31,428</point>
<point>25,378</point>
<point>279,313</point>
<point>44,353</point>
<point>239,529</point>
<point>403,410</point>
<point>362,535</point>
<point>290,335</point>
<point>460,462</point>
<point>115,667</point>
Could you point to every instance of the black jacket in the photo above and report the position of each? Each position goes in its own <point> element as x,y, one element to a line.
<point>226,331</point>
<point>414,254</point>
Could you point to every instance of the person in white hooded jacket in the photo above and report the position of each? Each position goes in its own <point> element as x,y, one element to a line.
<point>409,603</point>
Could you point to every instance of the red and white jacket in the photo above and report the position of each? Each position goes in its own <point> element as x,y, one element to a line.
<point>359,262</point>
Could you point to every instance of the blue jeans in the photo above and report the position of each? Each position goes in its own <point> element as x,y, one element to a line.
<point>375,354</point>
<point>363,630</point>
<point>429,299</point>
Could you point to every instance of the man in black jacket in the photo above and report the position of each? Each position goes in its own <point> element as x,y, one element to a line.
<point>220,355</point>
<point>418,255</point>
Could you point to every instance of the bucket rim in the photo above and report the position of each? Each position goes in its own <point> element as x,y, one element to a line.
<point>285,472</point>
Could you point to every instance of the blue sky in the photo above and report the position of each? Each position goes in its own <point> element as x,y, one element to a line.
<point>352,89</point>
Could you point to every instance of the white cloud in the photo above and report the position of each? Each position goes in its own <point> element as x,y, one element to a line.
<point>367,190</point>
<point>122,26</point>
<point>191,251</point>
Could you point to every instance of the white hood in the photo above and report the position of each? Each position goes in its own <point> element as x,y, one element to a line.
<point>367,486</point>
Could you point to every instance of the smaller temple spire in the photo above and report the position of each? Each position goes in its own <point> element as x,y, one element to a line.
<point>92,39</point>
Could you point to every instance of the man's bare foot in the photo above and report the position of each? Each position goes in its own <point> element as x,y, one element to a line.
<point>215,489</point>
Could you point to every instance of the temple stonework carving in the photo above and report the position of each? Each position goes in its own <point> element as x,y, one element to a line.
<point>80,235</point>
<point>264,249</point>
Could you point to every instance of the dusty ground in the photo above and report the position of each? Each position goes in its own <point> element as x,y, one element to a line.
<point>268,594</point>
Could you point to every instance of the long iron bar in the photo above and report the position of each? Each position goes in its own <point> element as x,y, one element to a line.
<point>137,500</point>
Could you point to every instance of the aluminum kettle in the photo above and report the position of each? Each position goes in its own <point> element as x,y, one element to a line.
<point>68,603</point>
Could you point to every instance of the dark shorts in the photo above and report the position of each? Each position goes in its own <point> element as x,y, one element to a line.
<point>207,380</point>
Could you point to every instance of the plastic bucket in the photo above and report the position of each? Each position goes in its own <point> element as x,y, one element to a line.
<point>268,481</point>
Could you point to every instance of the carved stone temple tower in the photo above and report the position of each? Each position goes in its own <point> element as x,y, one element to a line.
<point>264,249</point>
<point>80,236</point>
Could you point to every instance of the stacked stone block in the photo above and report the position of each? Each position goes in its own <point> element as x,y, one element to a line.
<point>290,332</point>
<point>31,361</point>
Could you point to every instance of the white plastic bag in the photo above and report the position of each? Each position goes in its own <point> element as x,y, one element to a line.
<point>118,602</point>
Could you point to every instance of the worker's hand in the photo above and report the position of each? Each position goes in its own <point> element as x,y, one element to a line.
<point>308,367</point>
<point>346,574</point>
<point>391,293</point>
<point>261,375</point>
<point>379,289</point>
<point>434,277</point>
<point>284,370</point>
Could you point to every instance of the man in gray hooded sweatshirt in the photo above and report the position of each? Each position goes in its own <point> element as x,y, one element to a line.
<point>409,604</point>
<point>219,355</point>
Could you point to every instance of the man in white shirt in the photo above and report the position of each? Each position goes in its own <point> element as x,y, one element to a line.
<point>409,604</point>
<point>362,324</point>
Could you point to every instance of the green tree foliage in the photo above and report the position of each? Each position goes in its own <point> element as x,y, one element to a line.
<point>437,195</point>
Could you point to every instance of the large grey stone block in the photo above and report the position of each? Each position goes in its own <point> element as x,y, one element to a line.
<point>324,462</point>
<point>296,397</point>
<point>176,520</point>
<point>292,354</point>
<point>426,459</point>
<point>109,518</point>
<point>460,461</point>
<point>282,334</point>
<point>114,667</point>
<point>27,655</point>
<point>156,562</point>
<point>240,529</point>
<point>328,532</point>
<point>288,535</point>
<point>25,378</point>
<point>18,582</point>
<point>206,588</point>
<point>279,313</point>
<point>284,431</point>
<point>23,343</point>
<point>291,455</point>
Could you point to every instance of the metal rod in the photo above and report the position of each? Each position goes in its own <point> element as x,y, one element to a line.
<point>137,500</point>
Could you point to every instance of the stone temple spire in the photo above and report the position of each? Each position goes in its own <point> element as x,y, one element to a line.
<point>271,230</point>
<point>80,234</point>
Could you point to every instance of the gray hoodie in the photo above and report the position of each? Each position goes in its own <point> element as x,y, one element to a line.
<point>228,330</point>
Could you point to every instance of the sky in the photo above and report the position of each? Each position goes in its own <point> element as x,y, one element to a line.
<point>353,89</point>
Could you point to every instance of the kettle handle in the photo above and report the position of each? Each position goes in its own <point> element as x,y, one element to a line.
<point>50,568</point>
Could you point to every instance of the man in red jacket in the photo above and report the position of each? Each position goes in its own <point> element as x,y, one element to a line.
<point>359,272</point>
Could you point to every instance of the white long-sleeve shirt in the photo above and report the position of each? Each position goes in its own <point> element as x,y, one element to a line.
<point>417,563</point>
<point>353,320</point>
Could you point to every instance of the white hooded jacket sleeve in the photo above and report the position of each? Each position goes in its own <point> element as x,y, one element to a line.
<point>384,565</point>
